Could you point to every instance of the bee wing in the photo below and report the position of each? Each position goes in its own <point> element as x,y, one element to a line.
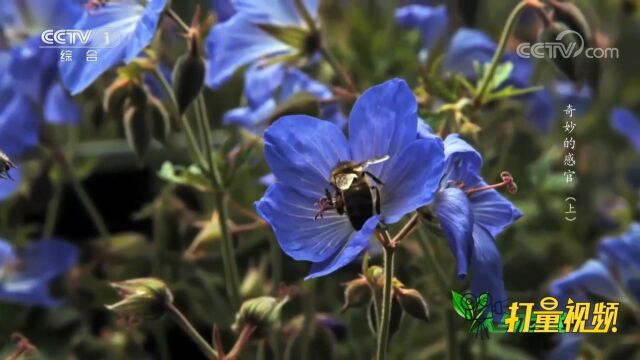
<point>370,162</point>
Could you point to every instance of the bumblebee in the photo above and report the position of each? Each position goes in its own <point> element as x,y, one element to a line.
<point>5,166</point>
<point>353,193</point>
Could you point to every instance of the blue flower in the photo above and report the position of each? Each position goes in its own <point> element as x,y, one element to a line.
<point>432,21</point>
<point>471,215</point>
<point>224,9</point>
<point>627,124</point>
<point>9,187</point>
<point>26,18</point>
<point>25,274</point>
<point>617,268</point>
<point>130,25</point>
<point>266,87</point>
<point>302,152</point>
<point>243,39</point>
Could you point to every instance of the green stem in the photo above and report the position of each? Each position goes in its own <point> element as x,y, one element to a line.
<point>178,20</point>
<point>82,194</point>
<point>276,263</point>
<point>53,209</point>
<point>385,316</point>
<point>502,45</point>
<point>186,326</point>
<point>338,69</point>
<point>309,318</point>
<point>228,258</point>
<point>182,121</point>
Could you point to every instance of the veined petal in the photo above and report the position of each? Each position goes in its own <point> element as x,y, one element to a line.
<point>413,178</point>
<point>354,246</point>
<point>59,108</point>
<point>302,151</point>
<point>235,43</point>
<point>291,215</point>
<point>627,124</point>
<point>487,266</point>
<point>453,209</point>
<point>132,24</point>
<point>591,278</point>
<point>277,12</point>
<point>31,17</point>
<point>383,121</point>
<point>492,210</point>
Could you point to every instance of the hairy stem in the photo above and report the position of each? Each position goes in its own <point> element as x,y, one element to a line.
<point>186,326</point>
<point>387,292</point>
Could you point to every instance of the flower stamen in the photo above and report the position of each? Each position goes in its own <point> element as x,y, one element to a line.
<point>507,181</point>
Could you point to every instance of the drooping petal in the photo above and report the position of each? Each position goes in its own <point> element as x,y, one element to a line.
<point>459,153</point>
<point>383,122</point>
<point>302,151</point>
<point>291,215</point>
<point>591,278</point>
<point>277,12</point>
<point>59,108</point>
<point>355,245</point>
<point>453,209</point>
<point>413,178</point>
<point>235,43</point>
<point>252,119</point>
<point>122,30</point>
<point>18,125</point>
<point>492,210</point>
<point>487,266</point>
<point>432,21</point>
<point>9,187</point>
<point>627,124</point>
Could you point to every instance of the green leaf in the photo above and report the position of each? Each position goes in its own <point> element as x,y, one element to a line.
<point>510,91</point>
<point>191,176</point>
<point>459,303</point>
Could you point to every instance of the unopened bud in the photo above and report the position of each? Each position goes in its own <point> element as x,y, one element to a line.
<point>188,75</point>
<point>413,303</point>
<point>137,129</point>
<point>159,119</point>
<point>262,312</point>
<point>137,95</point>
<point>142,299</point>
<point>253,284</point>
<point>356,294</point>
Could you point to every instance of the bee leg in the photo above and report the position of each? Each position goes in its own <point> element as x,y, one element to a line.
<point>376,201</point>
<point>339,204</point>
<point>327,194</point>
<point>374,178</point>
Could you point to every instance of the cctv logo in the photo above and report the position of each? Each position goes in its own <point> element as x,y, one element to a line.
<point>70,38</point>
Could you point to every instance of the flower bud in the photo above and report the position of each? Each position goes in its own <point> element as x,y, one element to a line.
<point>253,284</point>
<point>137,129</point>
<point>114,97</point>
<point>137,95</point>
<point>262,312</point>
<point>142,299</point>
<point>188,75</point>
<point>159,120</point>
<point>413,303</point>
<point>356,294</point>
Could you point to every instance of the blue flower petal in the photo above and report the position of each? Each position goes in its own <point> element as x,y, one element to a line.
<point>591,278</point>
<point>59,108</point>
<point>460,154</point>
<point>32,69</point>
<point>356,244</point>
<point>383,121</point>
<point>466,47</point>
<point>540,110</point>
<point>9,187</point>
<point>487,266</point>
<point>132,24</point>
<point>235,43</point>
<point>33,16</point>
<point>18,126</point>
<point>432,21</point>
<point>277,12</point>
<point>223,8</point>
<point>627,124</point>
<point>251,119</point>
<point>291,215</point>
<point>261,81</point>
<point>492,210</point>
<point>40,262</point>
<point>302,151</point>
<point>414,177</point>
<point>453,209</point>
